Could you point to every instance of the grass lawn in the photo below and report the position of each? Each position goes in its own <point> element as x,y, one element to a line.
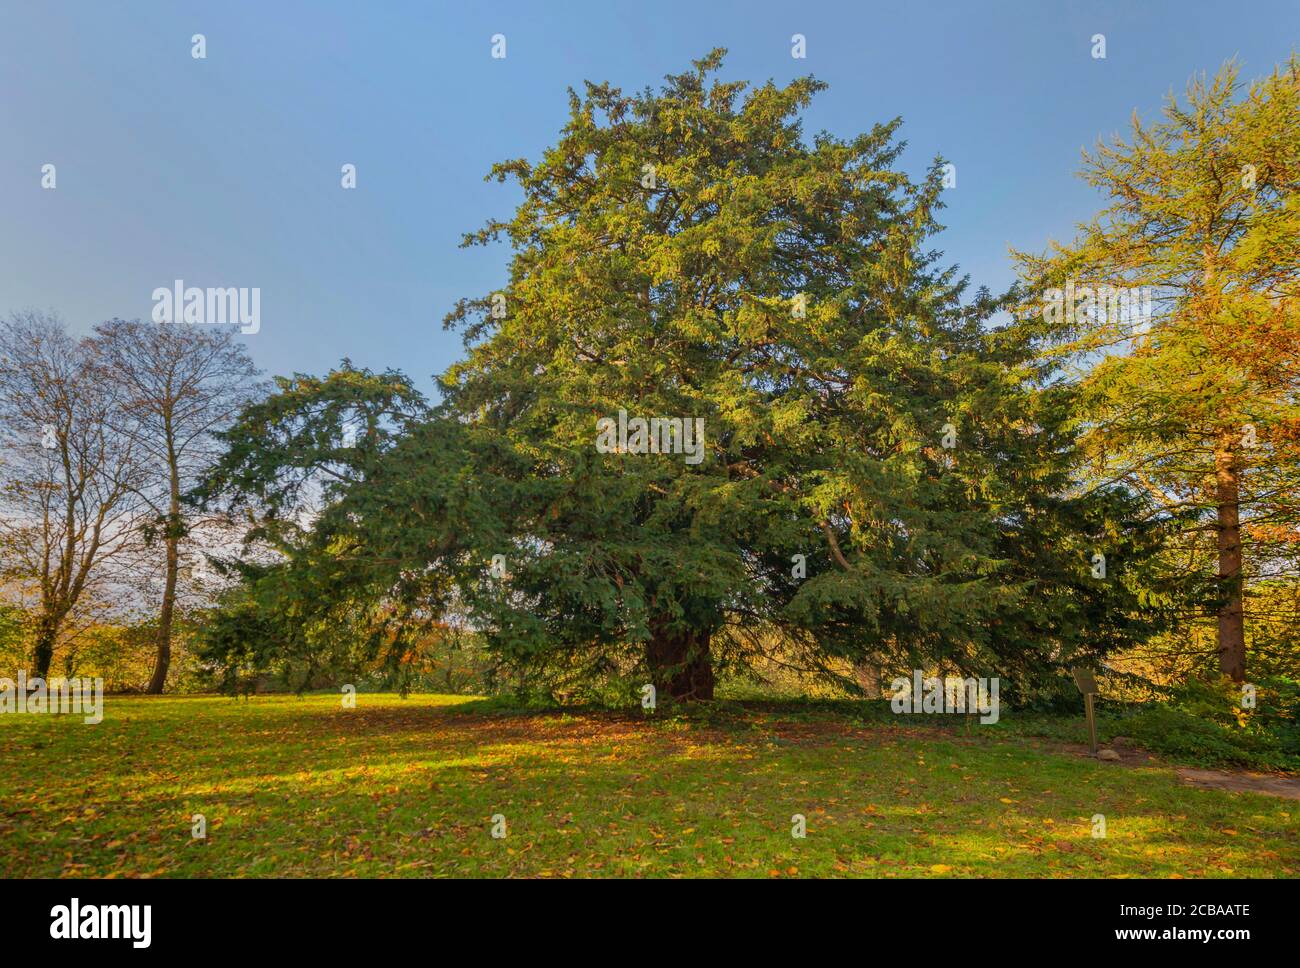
<point>407,787</point>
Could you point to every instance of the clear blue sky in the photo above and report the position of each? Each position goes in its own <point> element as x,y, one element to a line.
<point>225,171</point>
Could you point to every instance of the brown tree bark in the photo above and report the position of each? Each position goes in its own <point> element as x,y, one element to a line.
<point>1232,627</point>
<point>680,666</point>
<point>172,540</point>
<point>47,633</point>
<point>164,658</point>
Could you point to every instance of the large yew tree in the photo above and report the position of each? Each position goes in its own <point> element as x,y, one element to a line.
<point>883,481</point>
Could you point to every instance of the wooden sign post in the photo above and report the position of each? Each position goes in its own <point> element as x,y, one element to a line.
<point>1083,678</point>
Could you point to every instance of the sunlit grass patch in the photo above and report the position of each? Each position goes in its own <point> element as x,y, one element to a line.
<point>408,787</point>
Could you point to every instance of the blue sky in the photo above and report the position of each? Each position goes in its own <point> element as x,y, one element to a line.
<point>225,171</point>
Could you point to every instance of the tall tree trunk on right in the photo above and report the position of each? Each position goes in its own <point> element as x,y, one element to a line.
<point>1232,627</point>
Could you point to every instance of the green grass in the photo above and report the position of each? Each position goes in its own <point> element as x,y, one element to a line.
<point>301,787</point>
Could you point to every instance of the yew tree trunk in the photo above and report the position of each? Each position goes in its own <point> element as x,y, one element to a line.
<point>680,666</point>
